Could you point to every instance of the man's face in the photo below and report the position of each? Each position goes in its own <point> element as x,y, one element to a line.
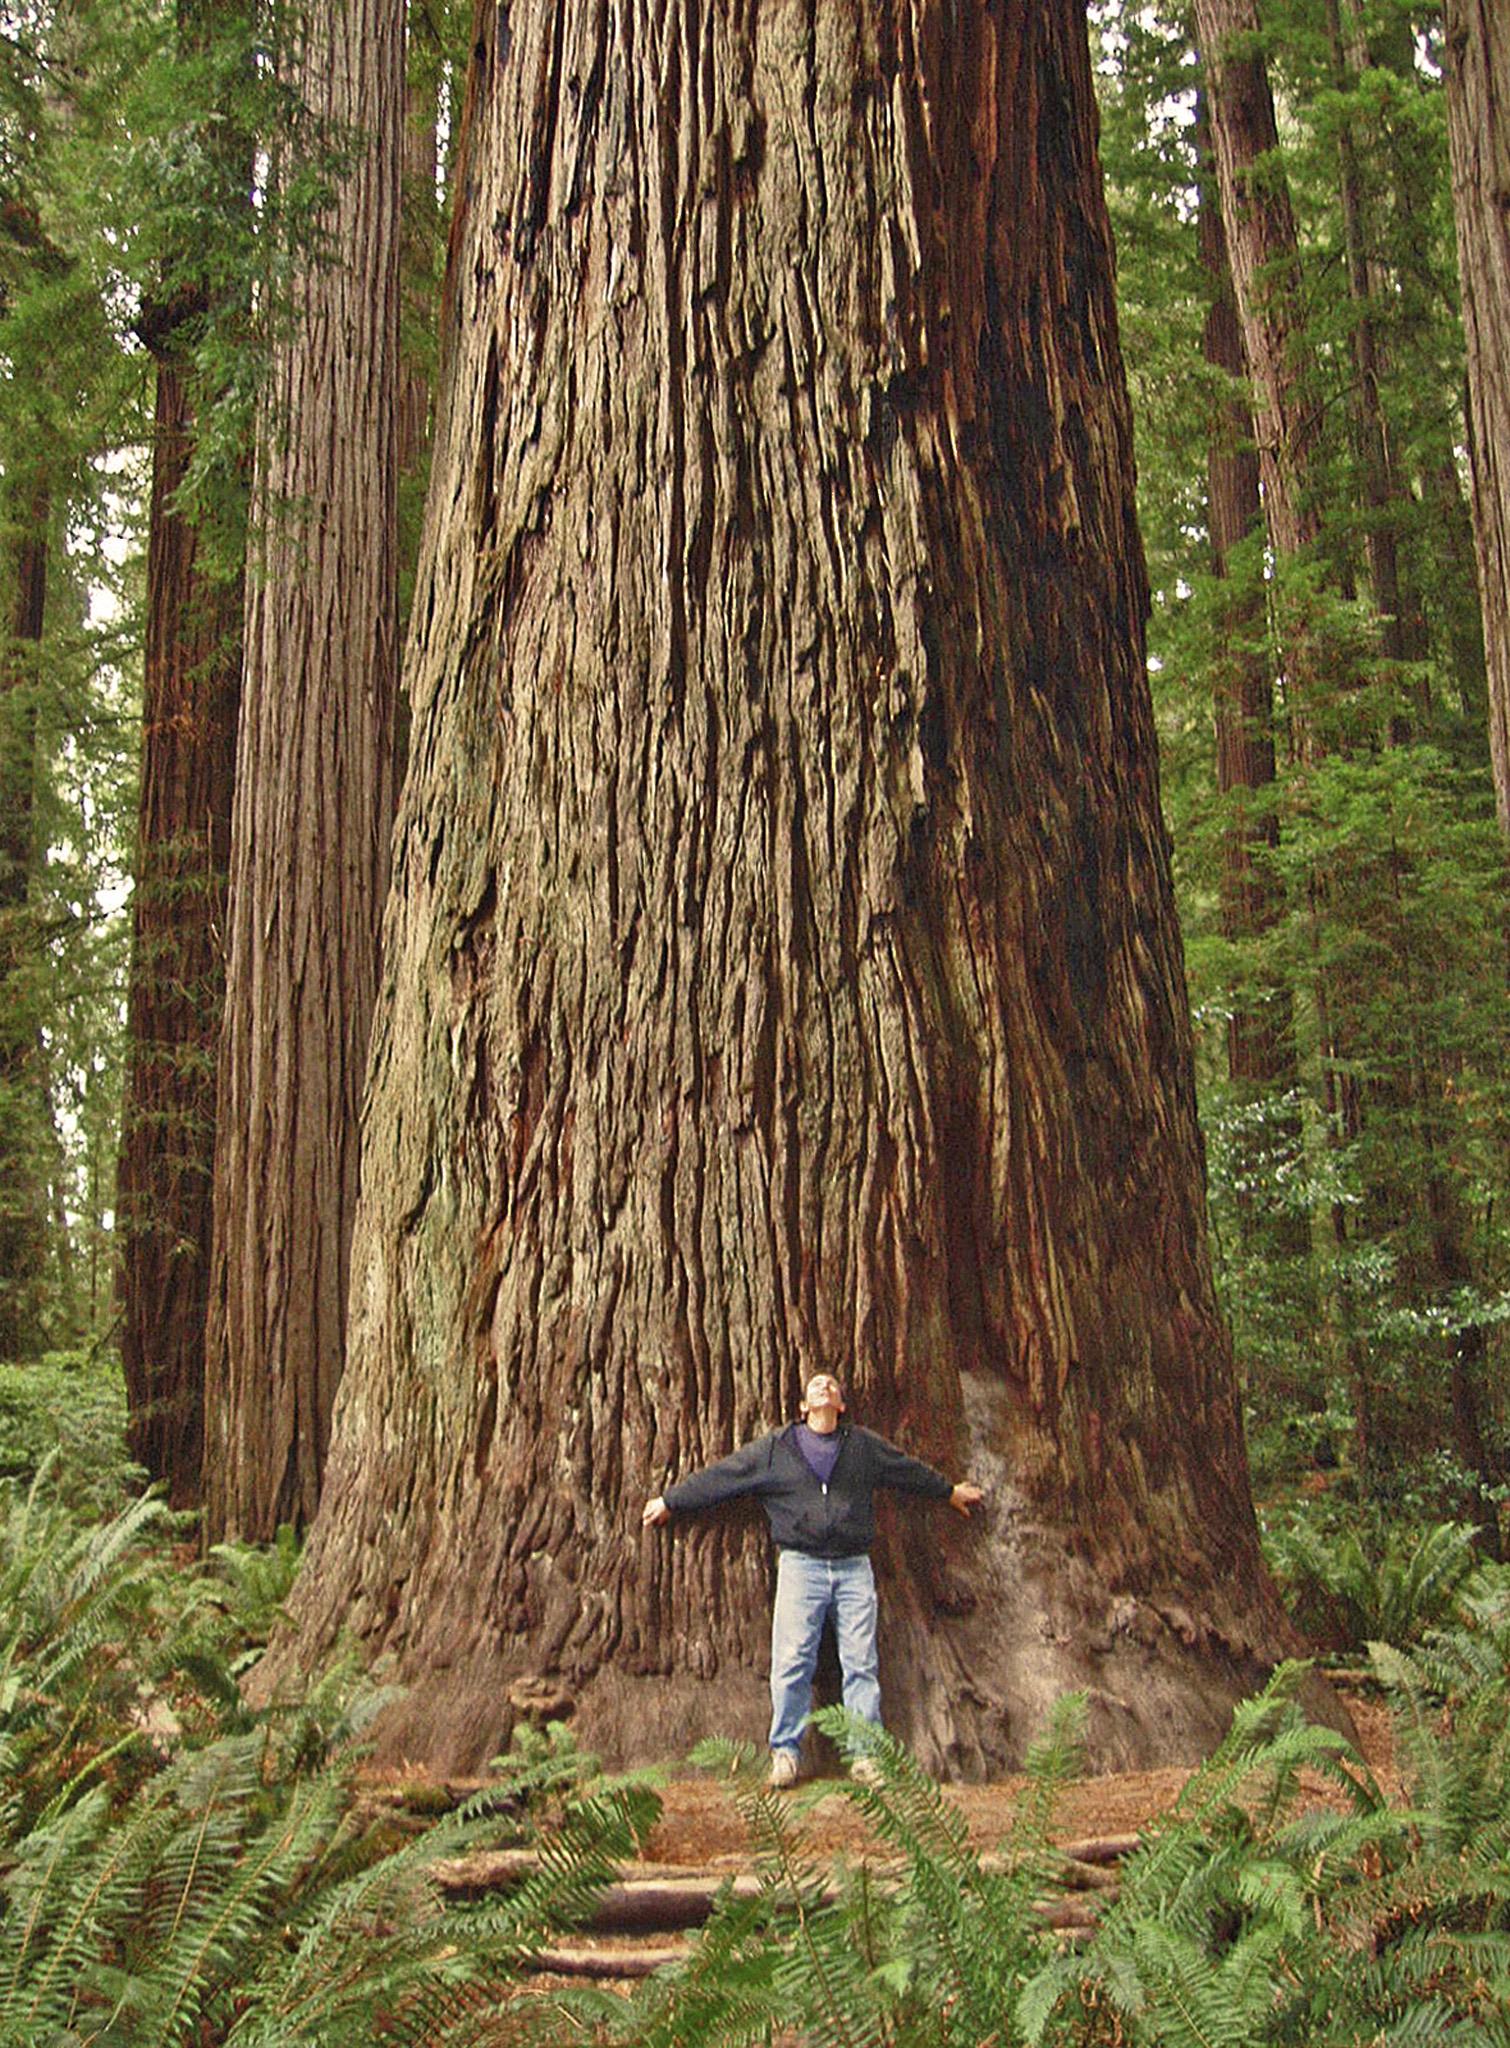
<point>822,1402</point>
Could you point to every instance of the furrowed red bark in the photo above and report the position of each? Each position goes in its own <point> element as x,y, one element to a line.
<point>191,689</point>
<point>1478,126</point>
<point>313,809</point>
<point>781,961</point>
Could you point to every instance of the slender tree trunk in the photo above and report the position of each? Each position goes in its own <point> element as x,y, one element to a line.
<point>781,968</point>
<point>1261,1053</point>
<point>1402,624</point>
<point>313,810</point>
<point>191,693</point>
<point>191,688</point>
<point>420,264</point>
<point>1263,252</point>
<point>1260,1041</point>
<point>25,516</point>
<point>1478,126</point>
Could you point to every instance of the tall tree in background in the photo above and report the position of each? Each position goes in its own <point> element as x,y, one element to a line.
<point>25,521</point>
<point>313,805</point>
<point>1396,605</point>
<point>190,691</point>
<point>781,967</point>
<point>1264,256</point>
<point>1263,253</point>
<point>43,304</point>
<point>1262,1059</point>
<point>1478,111</point>
<point>28,261</point>
<point>1380,919</point>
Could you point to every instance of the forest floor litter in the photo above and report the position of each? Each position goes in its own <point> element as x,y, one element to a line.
<point>700,1842</point>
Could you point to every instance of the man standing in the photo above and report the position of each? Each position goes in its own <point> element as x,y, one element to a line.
<point>816,1480</point>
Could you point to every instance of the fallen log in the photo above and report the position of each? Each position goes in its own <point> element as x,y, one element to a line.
<point>1067,1914</point>
<point>602,1962</point>
<point>670,1902</point>
<point>1100,1848</point>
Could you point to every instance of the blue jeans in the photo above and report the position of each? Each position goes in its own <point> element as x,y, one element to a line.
<point>808,1591</point>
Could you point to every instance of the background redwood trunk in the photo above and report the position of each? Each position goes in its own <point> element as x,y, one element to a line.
<point>191,688</point>
<point>313,808</point>
<point>781,962</point>
<point>1478,125</point>
<point>25,521</point>
<point>1260,1033</point>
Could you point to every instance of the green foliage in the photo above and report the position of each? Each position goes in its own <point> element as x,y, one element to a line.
<point>84,1605</point>
<point>66,1411</point>
<point>227,1904</point>
<point>1358,1198</point>
<point>935,1956</point>
<point>1451,1694</point>
<point>167,1879</point>
<point>173,1873</point>
<point>251,1581</point>
<point>1281,1901</point>
<point>1348,1587</point>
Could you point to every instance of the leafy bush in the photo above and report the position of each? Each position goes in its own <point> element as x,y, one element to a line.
<point>68,1411</point>
<point>175,1869</point>
<point>224,1905</point>
<point>1353,1585</point>
<point>84,1605</point>
<point>251,1581</point>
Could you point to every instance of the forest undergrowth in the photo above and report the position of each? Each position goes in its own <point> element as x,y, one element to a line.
<point>176,1868</point>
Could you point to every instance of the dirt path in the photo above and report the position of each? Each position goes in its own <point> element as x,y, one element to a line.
<point>700,1843</point>
<point>700,1827</point>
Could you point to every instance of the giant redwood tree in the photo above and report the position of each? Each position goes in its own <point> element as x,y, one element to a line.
<point>191,686</point>
<point>190,690</point>
<point>313,805</point>
<point>780,964</point>
<point>1478,123</point>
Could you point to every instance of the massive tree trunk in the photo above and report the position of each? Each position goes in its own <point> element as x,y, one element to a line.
<point>1478,122</point>
<point>191,687</point>
<point>313,809</point>
<point>781,967</point>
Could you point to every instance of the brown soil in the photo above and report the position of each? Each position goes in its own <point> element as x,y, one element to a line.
<point>700,1825</point>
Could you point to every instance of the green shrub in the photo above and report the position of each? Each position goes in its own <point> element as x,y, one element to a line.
<point>226,1905</point>
<point>1255,1913</point>
<point>1353,1585</point>
<point>68,1410</point>
<point>251,1581</point>
<point>175,1869</point>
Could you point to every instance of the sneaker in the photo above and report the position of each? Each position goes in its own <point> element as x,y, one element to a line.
<point>866,1770</point>
<point>784,1771</point>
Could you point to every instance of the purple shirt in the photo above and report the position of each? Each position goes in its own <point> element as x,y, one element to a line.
<point>820,1452</point>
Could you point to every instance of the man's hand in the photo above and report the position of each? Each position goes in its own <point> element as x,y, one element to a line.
<point>656,1512</point>
<point>962,1500</point>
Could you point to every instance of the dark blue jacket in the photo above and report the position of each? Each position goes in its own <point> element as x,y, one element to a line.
<point>837,1520</point>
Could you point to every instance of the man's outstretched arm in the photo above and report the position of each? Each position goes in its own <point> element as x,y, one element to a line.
<point>743,1471</point>
<point>903,1474</point>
